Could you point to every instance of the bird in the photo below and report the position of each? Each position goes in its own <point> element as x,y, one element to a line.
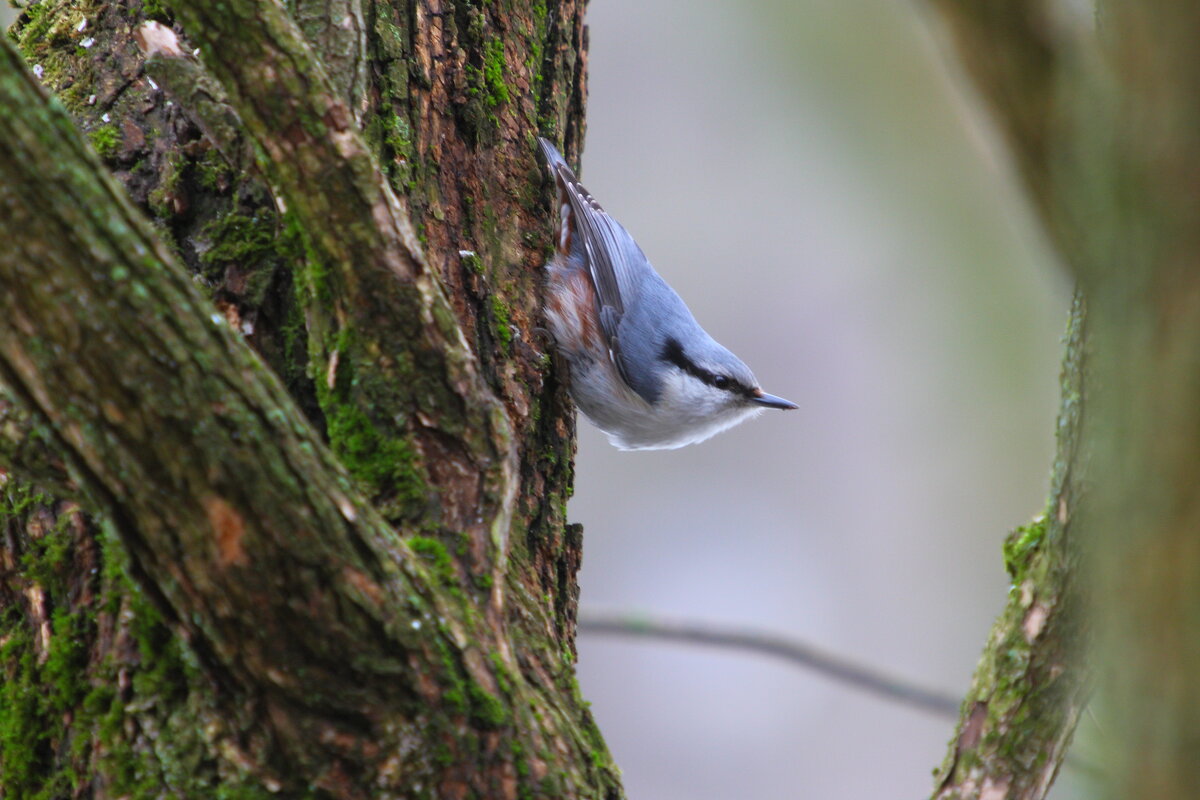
<point>640,367</point>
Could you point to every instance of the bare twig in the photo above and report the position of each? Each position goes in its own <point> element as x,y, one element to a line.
<point>796,652</point>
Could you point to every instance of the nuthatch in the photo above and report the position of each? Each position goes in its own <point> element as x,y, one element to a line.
<point>641,368</point>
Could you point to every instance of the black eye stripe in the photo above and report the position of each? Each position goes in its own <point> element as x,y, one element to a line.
<point>673,352</point>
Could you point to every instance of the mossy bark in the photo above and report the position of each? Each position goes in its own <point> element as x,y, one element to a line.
<point>1030,686</point>
<point>333,563</point>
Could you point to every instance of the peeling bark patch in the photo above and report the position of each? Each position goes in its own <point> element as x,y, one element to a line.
<point>37,612</point>
<point>363,585</point>
<point>331,370</point>
<point>1026,594</point>
<point>228,528</point>
<point>994,790</point>
<point>346,507</point>
<point>156,39</point>
<point>231,312</point>
<point>132,138</point>
<point>972,732</point>
<point>1035,620</point>
<point>338,118</point>
<point>112,413</point>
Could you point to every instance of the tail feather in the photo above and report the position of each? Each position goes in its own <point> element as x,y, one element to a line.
<point>562,174</point>
<point>554,159</point>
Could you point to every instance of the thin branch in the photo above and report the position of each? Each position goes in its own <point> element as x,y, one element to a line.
<point>796,652</point>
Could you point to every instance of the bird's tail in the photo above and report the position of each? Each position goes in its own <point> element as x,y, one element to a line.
<point>554,159</point>
<point>562,174</point>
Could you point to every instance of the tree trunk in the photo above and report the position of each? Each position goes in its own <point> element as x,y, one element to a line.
<point>337,563</point>
<point>1098,111</point>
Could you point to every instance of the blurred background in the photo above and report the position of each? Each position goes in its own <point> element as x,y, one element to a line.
<point>814,181</point>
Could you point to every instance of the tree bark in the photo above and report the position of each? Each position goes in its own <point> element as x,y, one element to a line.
<point>339,565</point>
<point>1098,112</point>
<point>1143,276</point>
<point>1031,686</point>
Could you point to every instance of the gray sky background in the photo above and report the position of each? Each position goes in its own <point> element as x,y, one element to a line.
<point>812,179</point>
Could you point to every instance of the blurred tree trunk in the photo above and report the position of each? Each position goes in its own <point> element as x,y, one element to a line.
<point>1099,113</point>
<point>284,461</point>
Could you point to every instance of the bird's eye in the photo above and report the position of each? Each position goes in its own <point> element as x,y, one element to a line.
<point>721,382</point>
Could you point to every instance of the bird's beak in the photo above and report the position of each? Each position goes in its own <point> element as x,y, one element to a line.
<point>771,401</point>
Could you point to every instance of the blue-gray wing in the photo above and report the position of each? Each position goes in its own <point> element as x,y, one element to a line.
<point>613,258</point>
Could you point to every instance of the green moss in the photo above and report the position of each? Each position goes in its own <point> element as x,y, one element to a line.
<point>486,709</point>
<point>105,140</point>
<point>61,711</point>
<point>536,48</point>
<point>1020,545</point>
<point>159,681</point>
<point>464,696</point>
<point>398,136</point>
<point>504,678</point>
<point>519,760</point>
<point>370,455</point>
<point>472,261</point>
<point>249,243</point>
<point>435,553</point>
<point>391,136</point>
<point>487,90</point>
<point>442,756</point>
<point>40,755</point>
<point>311,275</point>
<point>19,497</point>
<point>66,659</point>
<point>213,171</point>
<point>295,345</point>
<point>168,186</point>
<point>387,464</point>
<point>39,19</point>
<point>493,72</point>
<point>238,238</point>
<point>40,688</point>
<point>155,8</point>
<point>501,323</point>
<point>46,35</point>
<point>24,735</point>
<point>455,694</point>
